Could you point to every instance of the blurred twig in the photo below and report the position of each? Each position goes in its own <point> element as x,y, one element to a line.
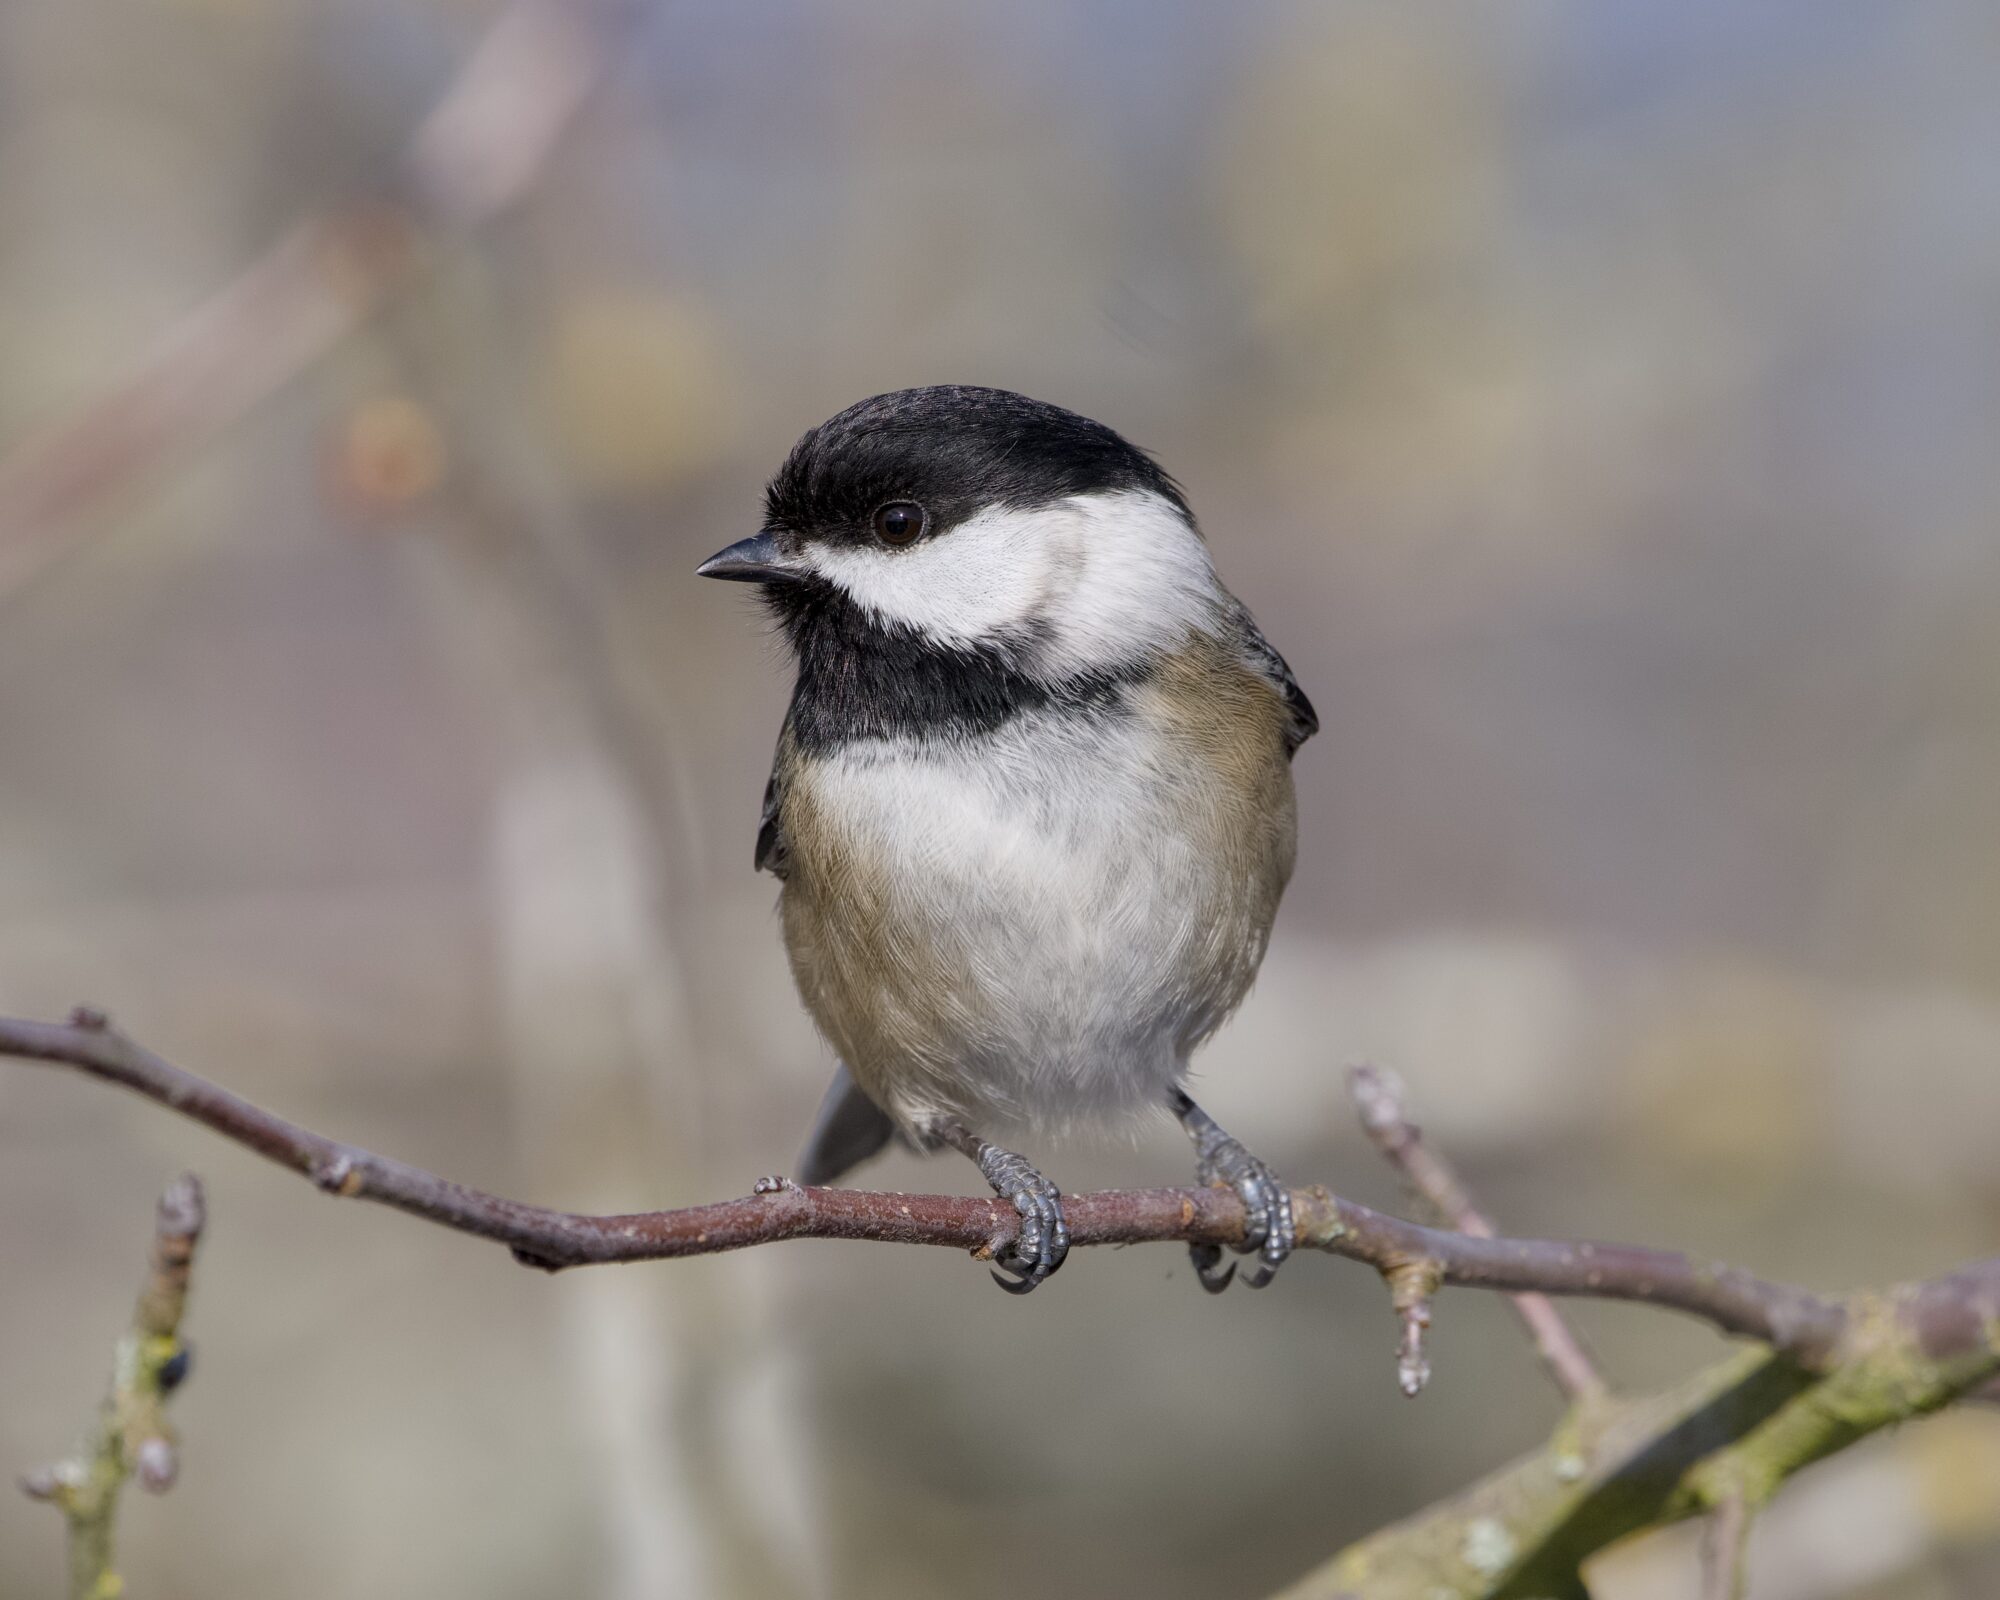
<point>475,155</point>
<point>1790,1319</point>
<point>1380,1102</point>
<point>131,1436</point>
<point>1725,1544</point>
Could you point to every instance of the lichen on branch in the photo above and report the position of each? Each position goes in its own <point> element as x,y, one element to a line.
<point>1735,1432</point>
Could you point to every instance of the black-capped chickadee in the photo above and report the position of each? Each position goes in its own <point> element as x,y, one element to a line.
<point>1032,805</point>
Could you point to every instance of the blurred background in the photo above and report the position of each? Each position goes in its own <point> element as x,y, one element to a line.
<point>1598,406</point>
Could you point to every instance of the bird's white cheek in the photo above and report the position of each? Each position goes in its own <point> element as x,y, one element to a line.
<point>973,584</point>
<point>1103,580</point>
<point>1129,578</point>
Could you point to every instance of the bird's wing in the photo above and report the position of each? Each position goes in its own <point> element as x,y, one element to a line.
<point>773,853</point>
<point>1262,658</point>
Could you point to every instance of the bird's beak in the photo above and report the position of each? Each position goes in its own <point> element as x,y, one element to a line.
<point>756,559</point>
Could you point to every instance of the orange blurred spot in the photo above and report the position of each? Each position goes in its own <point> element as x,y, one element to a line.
<point>390,454</point>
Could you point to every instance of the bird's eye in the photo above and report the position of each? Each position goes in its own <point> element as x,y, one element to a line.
<point>899,522</point>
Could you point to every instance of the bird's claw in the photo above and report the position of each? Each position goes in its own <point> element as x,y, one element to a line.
<point>1041,1243</point>
<point>1269,1231</point>
<point>1209,1269</point>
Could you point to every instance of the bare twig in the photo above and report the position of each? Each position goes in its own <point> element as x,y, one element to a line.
<point>1411,1286</point>
<point>1803,1324</point>
<point>1380,1102</point>
<point>480,149</point>
<point>1725,1545</point>
<point>131,1436</point>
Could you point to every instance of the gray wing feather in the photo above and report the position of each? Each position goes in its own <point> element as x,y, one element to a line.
<point>1262,658</point>
<point>848,1130</point>
<point>773,854</point>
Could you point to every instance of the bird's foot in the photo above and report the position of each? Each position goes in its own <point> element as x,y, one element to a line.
<point>1269,1233</point>
<point>1043,1240</point>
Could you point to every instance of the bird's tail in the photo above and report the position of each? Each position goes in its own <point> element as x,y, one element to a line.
<point>848,1130</point>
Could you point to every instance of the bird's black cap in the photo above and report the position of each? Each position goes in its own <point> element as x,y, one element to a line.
<point>955,450</point>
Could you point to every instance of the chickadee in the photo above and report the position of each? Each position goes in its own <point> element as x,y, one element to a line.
<point>1032,805</point>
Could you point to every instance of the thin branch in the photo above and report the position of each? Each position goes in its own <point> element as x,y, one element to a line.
<point>131,1436</point>
<point>1725,1547</point>
<point>1796,1321</point>
<point>1384,1116</point>
<point>1837,1371</point>
<point>1411,1286</point>
<point>477,153</point>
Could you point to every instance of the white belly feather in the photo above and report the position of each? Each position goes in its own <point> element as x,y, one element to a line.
<point>1034,928</point>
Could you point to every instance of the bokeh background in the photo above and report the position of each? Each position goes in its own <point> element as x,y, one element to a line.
<point>1599,406</point>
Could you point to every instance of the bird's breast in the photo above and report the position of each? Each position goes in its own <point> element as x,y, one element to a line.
<point>1039,923</point>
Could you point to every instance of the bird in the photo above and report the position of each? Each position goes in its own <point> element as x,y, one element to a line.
<point>1032,808</point>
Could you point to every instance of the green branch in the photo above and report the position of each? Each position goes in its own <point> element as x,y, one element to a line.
<point>131,1436</point>
<point>1733,1433</point>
